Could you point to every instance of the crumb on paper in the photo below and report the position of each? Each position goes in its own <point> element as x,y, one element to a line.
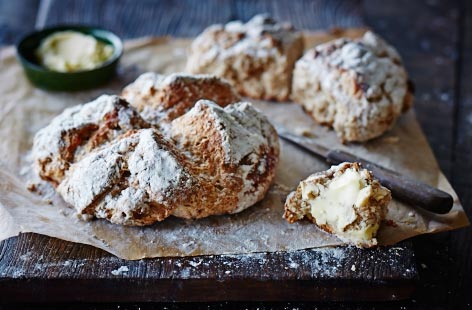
<point>391,139</point>
<point>123,270</point>
<point>353,267</point>
<point>390,223</point>
<point>305,132</point>
<point>34,188</point>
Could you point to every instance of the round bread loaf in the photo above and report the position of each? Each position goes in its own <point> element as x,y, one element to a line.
<point>108,162</point>
<point>359,87</point>
<point>256,57</point>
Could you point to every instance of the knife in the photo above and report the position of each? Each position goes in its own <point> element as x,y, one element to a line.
<point>412,192</point>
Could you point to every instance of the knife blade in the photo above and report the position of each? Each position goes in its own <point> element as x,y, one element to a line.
<point>412,192</point>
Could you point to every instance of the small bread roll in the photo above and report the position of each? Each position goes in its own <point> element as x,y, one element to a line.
<point>257,57</point>
<point>345,200</point>
<point>358,87</point>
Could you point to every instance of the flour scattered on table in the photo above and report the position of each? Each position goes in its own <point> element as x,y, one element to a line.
<point>26,256</point>
<point>185,273</point>
<point>195,264</point>
<point>123,270</point>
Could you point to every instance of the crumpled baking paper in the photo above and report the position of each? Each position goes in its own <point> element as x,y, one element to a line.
<point>25,109</point>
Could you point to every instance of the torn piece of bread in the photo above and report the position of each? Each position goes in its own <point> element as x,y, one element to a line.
<point>256,57</point>
<point>359,87</point>
<point>345,200</point>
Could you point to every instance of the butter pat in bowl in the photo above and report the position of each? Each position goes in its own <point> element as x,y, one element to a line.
<point>70,58</point>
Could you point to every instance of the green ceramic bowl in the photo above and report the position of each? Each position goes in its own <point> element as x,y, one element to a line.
<point>68,81</point>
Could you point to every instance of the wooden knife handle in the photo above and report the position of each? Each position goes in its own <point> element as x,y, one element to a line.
<point>412,192</point>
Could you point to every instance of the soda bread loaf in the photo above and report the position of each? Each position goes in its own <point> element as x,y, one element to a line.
<point>358,87</point>
<point>107,162</point>
<point>257,57</point>
<point>345,200</point>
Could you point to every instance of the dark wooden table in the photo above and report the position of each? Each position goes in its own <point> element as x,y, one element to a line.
<point>435,39</point>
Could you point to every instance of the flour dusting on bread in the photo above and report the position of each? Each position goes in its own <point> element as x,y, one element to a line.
<point>210,158</point>
<point>256,57</point>
<point>358,87</point>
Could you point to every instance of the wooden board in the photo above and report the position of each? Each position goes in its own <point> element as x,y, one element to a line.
<point>42,269</point>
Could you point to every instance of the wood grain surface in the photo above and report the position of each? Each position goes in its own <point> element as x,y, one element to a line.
<point>435,40</point>
<point>341,274</point>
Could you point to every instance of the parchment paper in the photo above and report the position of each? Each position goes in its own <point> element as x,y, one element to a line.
<point>24,109</point>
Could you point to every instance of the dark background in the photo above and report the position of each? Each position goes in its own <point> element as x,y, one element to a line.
<point>435,40</point>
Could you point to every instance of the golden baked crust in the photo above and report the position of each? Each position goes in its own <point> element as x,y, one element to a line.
<point>257,58</point>
<point>210,160</point>
<point>355,223</point>
<point>162,98</point>
<point>79,130</point>
<point>234,149</point>
<point>358,87</point>
<point>138,179</point>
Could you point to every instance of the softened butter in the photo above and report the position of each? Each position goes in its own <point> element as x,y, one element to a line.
<point>69,51</point>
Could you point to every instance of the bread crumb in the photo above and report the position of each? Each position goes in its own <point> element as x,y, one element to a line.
<point>390,223</point>
<point>305,132</point>
<point>33,187</point>
<point>391,140</point>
